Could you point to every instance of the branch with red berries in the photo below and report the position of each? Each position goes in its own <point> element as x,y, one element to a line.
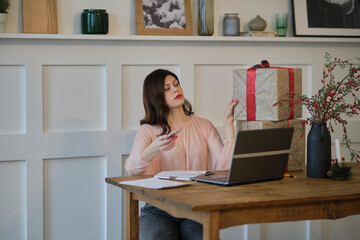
<point>335,102</point>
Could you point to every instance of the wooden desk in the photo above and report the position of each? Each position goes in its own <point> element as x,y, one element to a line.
<point>218,207</point>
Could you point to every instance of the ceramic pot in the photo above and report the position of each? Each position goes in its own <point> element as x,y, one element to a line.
<point>257,24</point>
<point>231,24</point>
<point>318,151</point>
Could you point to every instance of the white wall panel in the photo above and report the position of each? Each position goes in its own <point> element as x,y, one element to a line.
<point>12,200</point>
<point>133,79</point>
<point>340,229</point>
<point>74,98</point>
<point>241,232</point>
<point>74,198</point>
<point>213,87</point>
<point>97,84</point>
<point>286,230</point>
<point>12,99</point>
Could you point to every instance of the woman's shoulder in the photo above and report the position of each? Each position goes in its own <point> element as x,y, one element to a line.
<point>148,129</point>
<point>202,121</point>
<point>146,126</point>
<point>202,124</point>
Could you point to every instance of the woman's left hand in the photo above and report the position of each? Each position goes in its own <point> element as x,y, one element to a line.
<point>229,120</point>
<point>229,113</point>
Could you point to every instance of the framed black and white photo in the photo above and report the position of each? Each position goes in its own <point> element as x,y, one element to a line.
<point>326,18</point>
<point>163,17</point>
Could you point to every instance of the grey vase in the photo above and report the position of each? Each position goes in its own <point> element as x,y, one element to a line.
<point>257,24</point>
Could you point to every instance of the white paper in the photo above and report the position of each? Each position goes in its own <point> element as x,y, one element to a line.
<point>181,174</point>
<point>154,183</point>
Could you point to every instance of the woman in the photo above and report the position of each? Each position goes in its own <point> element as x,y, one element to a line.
<point>197,146</point>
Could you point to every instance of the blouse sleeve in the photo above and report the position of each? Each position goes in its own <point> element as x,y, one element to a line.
<point>220,152</point>
<point>134,164</point>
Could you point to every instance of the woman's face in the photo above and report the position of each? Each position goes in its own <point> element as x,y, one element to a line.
<point>173,93</point>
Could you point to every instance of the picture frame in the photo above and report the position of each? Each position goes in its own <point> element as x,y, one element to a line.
<point>157,20</point>
<point>311,21</point>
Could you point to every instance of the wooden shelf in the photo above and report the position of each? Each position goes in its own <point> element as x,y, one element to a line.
<point>177,38</point>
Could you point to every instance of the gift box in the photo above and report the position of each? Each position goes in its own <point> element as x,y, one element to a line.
<point>258,89</point>
<point>297,150</point>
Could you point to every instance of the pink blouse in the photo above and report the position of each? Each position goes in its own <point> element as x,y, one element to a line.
<point>198,147</point>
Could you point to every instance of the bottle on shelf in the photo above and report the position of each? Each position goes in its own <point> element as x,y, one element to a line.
<point>206,17</point>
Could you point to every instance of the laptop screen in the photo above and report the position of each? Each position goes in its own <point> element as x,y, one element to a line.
<point>260,154</point>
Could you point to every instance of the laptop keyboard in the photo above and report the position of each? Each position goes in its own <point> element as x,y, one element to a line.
<point>219,178</point>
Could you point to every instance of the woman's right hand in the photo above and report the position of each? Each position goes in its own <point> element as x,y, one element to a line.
<point>161,143</point>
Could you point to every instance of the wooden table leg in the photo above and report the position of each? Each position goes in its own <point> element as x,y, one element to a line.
<point>211,225</point>
<point>132,217</point>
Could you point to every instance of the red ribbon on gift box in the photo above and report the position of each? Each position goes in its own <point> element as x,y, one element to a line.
<point>250,89</point>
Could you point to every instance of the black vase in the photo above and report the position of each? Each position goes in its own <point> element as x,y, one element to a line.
<point>318,150</point>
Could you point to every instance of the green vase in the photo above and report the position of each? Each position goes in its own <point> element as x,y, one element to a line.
<point>94,21</point>
<point>206,17</point>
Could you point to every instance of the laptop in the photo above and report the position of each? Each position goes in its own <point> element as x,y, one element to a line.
<point>259,155</point>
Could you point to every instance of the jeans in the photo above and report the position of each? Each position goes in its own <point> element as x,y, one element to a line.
<point>156,224</point>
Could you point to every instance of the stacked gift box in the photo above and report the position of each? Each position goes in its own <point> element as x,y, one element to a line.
<point>257,90</point>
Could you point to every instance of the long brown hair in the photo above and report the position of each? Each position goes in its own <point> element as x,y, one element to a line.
<point>156,110</point>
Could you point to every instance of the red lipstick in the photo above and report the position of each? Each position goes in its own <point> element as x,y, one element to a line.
<point>178,96</point>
